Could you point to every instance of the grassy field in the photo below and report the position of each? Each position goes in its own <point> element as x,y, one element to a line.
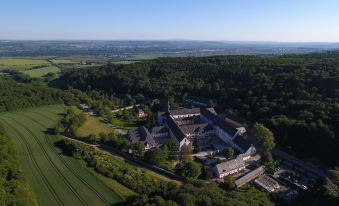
<point>62,61</point>
<point>123,124</point>
<point>123,191</point>
<point>93,125</point>
<point>42,71</point>
<point>125,62</point>
<point>21,63</point>
<point>143,57</point>
<point>56,179</point>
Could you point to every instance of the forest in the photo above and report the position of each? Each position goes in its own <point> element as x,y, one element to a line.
<point>295,96</point>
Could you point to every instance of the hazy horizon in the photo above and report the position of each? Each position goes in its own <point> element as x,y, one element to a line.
<point>289,21</point>
<point>187,40</point>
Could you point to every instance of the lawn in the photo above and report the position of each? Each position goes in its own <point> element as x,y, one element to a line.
<point>42,71</point>
<point>21,63</point>
<point>56,179</point>
<point>93,125</point>
<point>123,124</point>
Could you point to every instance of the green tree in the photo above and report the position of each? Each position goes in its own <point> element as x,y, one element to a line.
<point>172,145</point>
<point>58,128</point>
<point>229,182</point>
<point>188,169</point>
<point>197,145</point>
<point>228,152</point>
<point>139,149</point>
<point>156,156</point>
<point>264,136</point>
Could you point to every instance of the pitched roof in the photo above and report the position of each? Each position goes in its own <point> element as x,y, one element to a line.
<point>173,126</point>
<point>226,127</point>
<point>211,115</point>
<point>232,122</point>
<point>243,143</point>
<point>250,176</point>
<point>199,100</point>
<point>141,135</point>
<point>195,128</point>
<point>230,165</point>
<point>158,130</point>
<point>184,111</point>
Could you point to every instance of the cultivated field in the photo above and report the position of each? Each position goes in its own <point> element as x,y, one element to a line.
<point>21,63</point>
<point>56,179</point>
<point>42,71</point>
<point>62,61</point>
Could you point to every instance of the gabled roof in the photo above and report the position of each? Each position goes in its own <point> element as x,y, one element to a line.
<point>229,129</point>
<point>200,100</point>
<point>232,122</point>
<point>211,115</point>
<point>195,128</point>
<point>141,135</point>
<point>230,165</point>
<point>184,111</point>
<point>158,130</point>
<point>245,141</point>
<point>179,134</point>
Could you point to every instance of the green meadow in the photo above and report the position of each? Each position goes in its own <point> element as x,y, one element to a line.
<point>62,61</point>
<point>19,64</point>
<point>40,72</point>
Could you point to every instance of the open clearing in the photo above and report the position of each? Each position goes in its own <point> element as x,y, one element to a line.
<point>21,63</point>
<point>93,125</point>
<point>56,179</point>
<point>42,71</point>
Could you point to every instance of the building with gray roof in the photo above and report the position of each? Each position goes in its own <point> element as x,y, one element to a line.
<point>187,124</point>
<point>229,167</point>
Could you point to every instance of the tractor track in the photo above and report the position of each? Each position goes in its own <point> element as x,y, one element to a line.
<point>64,179</point>
<point>66,164</point>
<point>31,156</point>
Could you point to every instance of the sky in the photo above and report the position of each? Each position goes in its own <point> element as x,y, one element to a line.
<point>229,20</point>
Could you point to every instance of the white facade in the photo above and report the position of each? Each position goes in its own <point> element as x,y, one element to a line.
<point>183,142</point>
<point>185,115</point>
<point>226,173</point>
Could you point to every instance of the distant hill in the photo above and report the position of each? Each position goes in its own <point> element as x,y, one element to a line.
<point>162,48</point>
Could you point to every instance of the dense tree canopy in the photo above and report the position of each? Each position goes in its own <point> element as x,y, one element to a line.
<point>15,96</point>
<point>295,96</point>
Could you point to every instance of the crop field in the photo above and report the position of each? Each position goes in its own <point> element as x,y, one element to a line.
<point>42,71</point>
<point>21,63</point>
<point>144,57</point>
<point>55,178</point>
<point>125,62</point>
<point>62,61</point>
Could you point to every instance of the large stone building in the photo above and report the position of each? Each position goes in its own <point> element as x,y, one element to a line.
<point>186,125</point>
<point>229,167</point>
